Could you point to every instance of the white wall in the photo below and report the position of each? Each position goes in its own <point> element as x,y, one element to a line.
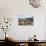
<point>24,32</point>
<point>13,8</point>
<point>45,28</point>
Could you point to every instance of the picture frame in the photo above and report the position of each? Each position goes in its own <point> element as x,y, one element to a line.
<point>25,20</point>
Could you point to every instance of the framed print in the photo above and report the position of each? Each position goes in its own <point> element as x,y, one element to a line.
<point>25,20</point>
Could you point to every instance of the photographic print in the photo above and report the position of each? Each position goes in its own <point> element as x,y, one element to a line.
<point>25,20</point>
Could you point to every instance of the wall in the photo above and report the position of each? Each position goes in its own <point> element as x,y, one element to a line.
<point>13,8</point>
<point>45,28</point>
<point>24,32</point>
